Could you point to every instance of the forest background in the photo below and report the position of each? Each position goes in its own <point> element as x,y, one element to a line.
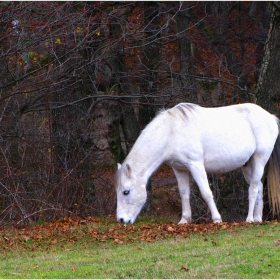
<point>79,80</point>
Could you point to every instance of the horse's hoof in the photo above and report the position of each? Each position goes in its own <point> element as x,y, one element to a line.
<point>250,220</point>
<point>217,219</point>
<point>185,221</point>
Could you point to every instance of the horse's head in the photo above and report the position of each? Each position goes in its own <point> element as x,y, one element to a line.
<point>131,194</point>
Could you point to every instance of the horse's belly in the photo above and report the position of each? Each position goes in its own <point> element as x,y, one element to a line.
<point>224,161</point>
<point>220,166</point>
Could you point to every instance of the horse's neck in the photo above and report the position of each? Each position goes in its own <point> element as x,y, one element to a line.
<point>146,156</point>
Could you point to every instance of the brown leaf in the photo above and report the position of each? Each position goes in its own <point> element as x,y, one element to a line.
<point>170,229</point>
<point>26,238</point>
<point>146,227</point>
<point>184,268</point>
<point>214,243</point>
<point>53,242</point>
<point>6,238</point>
<point>277,242</point>
<point>117,241</point>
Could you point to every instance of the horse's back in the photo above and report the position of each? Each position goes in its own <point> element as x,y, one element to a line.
<point>221,120</point>
<point>262,124</point>
<point>243,122</point>
<point>224,138</point>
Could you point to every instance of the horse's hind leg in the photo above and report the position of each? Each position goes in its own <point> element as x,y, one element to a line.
<point>199,174</point>
<point>182,177</point>
<point>258,210</point>
<point>253,173</point>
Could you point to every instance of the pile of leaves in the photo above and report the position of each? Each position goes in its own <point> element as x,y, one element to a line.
<point>93,230</point>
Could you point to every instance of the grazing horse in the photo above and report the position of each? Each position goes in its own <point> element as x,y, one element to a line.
<point>199,140</point>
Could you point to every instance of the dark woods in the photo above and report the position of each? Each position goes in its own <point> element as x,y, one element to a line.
<point>79,80</point>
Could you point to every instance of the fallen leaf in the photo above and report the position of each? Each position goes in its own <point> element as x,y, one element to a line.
<point>170,229</point>
<point>6,238</point>
<point>214,243</point>
<point>184,268</point>
<point>26,238</point>
<point>277,242</point>
<point>146,227</point>
<point>54,241</point>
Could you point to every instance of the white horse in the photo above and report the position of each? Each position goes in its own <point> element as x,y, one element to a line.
<point>194,139</point>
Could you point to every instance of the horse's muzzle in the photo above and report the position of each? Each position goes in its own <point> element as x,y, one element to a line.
<point>121,220</point>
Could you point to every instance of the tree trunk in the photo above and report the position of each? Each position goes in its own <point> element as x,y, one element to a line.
<point>268,87</point>
<point>185,49</point>
<point>114,136</point>
<point>151,61</point>
<point>129,121</point>
<point>122,114</point>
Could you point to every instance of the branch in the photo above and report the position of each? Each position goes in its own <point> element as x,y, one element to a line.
<point>276,6</point>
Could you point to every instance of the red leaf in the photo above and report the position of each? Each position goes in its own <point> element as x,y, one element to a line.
<point>184,268</point>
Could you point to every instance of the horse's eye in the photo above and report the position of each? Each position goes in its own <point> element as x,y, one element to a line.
<point>126,192</point>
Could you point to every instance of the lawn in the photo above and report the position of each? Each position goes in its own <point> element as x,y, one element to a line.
<point>91,248</point>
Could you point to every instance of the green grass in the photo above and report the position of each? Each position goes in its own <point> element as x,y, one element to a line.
<point>240,252</point>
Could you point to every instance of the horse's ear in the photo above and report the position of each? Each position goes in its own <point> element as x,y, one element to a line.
<point>119,165</point>
<point>128,170</point>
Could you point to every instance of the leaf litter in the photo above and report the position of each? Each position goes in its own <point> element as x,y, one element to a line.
<point>69,231</point>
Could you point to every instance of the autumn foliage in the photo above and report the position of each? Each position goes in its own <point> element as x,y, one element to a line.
<point>69,231</point>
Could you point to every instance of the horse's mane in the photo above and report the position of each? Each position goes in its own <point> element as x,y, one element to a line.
<point>182,110</point>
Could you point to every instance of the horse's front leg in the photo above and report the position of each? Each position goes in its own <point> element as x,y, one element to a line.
<point>183,180</point>
<point>199,174</point>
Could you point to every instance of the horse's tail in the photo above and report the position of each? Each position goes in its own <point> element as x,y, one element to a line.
<point>273,176</point>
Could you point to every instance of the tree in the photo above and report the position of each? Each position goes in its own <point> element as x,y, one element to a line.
<point>186,54</point>
<point>268,86</point>
<point>122,114</point>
